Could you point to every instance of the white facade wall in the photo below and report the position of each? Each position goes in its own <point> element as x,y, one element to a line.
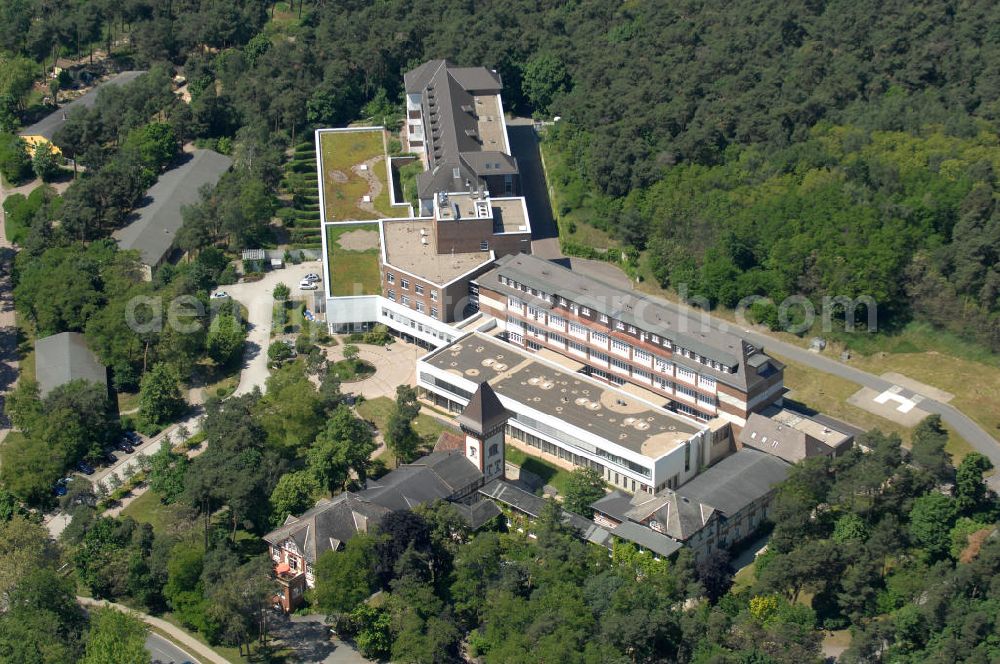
<point>356,310</point>
<point>669,465</point>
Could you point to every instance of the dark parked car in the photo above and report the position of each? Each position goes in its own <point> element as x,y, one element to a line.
<point>125,445</point>
<point>133,437</point>
<point>85,468</point>
<point>59,488</point>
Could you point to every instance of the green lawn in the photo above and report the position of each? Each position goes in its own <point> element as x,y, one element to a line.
<point>350,371</point>
<point>127,401</point>
<point>342,187</point>
<point>379,409</point>
<point>549,472</point>
<point>352,272</point>
<point>147,508</point>
<point>376,411</point>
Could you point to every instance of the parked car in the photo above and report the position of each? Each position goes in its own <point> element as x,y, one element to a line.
<point>133,438</point>
<point>312,276</point>
<point>218,295</point>
<point>307,285</point>
<point>59,488</point>
<point>109,458</point>
<point>125,445</point>
<point>85,468</point>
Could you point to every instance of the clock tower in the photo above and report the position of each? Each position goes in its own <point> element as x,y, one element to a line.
<point>483,422</point>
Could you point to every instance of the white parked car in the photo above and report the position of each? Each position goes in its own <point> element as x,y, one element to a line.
<point>305,284</point>
<point>218,295</point>
<point>312,276</point>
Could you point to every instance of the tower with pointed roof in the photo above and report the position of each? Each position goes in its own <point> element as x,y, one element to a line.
<point>483,422</point>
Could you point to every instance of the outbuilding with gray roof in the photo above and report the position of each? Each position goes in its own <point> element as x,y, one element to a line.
<point>153,227</point>
<point>64,357</point>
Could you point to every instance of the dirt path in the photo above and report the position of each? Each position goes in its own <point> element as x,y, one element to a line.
<point>374,183</point>
<point>8,323</point>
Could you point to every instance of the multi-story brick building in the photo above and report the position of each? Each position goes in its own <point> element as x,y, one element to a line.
<point>427,264</point>
<point>623,337</point>
<point>469,211</point>
<point>455,116</point>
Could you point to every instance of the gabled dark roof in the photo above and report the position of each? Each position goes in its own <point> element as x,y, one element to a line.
<point>154,225</point>
<point>615,505</point>
<point>736,481</point>
<point>451,126</point>
<point>479,513</point>
<point>61,358</point>
<point>489,162</point>
<point>438,476</point>
<point>51,123</point>
<point>484,412</point>
<point>667,512</point>
<point>328,525</point>
<point>528,503</point>
<point>441,177</point>
<point>473,79</point>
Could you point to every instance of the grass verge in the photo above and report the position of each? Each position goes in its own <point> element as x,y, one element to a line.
<point>549,472</point>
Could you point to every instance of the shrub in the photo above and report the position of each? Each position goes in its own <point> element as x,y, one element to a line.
<point>15,163</point>
<point>45,162</point>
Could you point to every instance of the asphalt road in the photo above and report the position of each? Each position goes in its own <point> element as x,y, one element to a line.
<point>982,441</point>
<point>163,651</point>
<point>545,243</point>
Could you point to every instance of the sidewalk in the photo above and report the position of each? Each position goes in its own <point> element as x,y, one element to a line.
<point>175,633</point>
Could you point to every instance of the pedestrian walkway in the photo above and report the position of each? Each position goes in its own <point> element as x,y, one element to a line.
<point>175,633</point>
<point>395,364</point>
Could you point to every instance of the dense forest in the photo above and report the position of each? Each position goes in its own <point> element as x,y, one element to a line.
<point>822,148</point>
<point>896,545</point>
<point>836,148</point>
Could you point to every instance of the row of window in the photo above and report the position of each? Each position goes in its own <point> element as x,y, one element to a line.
<point>617,347</point>
<point>618,324</point>
<point>406,302</point>
<point>522,335</point>
<point>404,284</point>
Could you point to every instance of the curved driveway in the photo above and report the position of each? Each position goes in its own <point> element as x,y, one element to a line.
<point>964,426</point>
<point>545,244</point>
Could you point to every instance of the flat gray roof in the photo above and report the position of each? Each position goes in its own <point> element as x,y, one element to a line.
<point>65,357</point>
<point>154,225</point>
<point>50,124</point>
<point>405,250</point>
<point>647,538</point>
<point>606,412</point>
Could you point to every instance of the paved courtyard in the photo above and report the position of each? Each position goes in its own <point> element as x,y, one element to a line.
<point>394,364</point>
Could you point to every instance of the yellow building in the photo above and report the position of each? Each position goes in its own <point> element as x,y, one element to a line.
<point>43,130</point>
